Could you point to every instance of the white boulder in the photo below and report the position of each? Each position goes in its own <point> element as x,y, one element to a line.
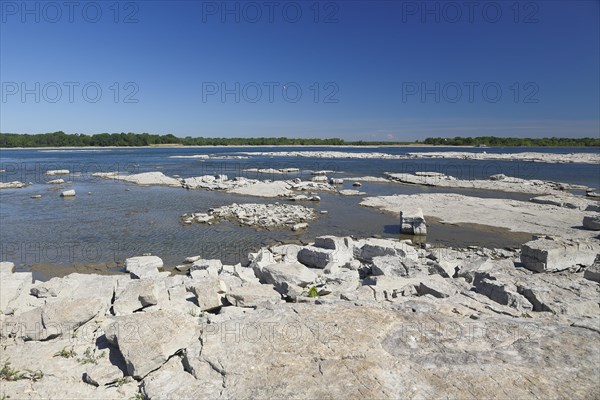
<point>68,193</point>
<point>143,266</point>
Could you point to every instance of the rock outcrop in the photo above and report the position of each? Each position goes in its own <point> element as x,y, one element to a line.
<point>340,318</point>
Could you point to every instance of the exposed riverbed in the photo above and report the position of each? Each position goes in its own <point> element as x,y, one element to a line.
<point>120,219</point>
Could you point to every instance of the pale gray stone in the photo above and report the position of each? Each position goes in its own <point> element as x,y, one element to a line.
<point>556,254</point>
<point>144,266</point>
<point>147,340</point>
<point>209,293</point>
<point>253,295</point>
<point>295,274</point>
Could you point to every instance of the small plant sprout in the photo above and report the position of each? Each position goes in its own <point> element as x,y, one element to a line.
<point>122,381</point>
<point>89,357</point>
<point>8,373</point>
<point>34,375</point>
<point>66,353</point>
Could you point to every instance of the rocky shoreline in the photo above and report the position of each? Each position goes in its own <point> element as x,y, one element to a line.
<point>341,317</point>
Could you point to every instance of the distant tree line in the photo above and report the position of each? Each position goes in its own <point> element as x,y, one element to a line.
<point>61,139</point>
<point>511,141</point>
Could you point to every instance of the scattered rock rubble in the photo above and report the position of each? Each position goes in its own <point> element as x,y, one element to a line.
<point>257,215</point>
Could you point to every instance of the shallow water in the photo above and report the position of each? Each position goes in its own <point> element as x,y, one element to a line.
<point>119,219</point>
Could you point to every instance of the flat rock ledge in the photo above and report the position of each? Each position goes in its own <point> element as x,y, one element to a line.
<point>499,182</point>
<point>518,216</point>
<point>338,318</point>
<point>256,215</point>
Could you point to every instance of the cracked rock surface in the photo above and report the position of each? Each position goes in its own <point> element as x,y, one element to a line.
<point>338,318</point>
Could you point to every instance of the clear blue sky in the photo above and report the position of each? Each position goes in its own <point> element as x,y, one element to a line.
<point>388,70</point>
